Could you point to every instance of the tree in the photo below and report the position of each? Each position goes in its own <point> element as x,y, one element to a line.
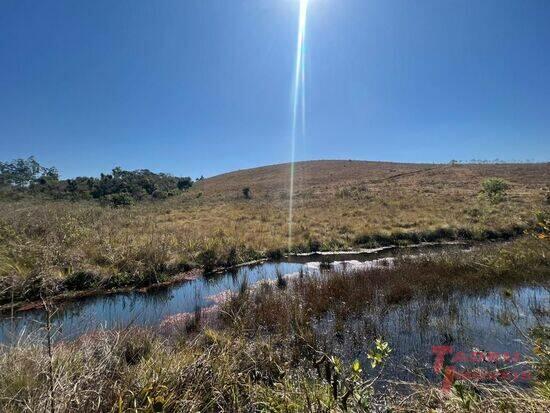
<point>28,176</point>
<point>19,173</point>
<point>184,183</point>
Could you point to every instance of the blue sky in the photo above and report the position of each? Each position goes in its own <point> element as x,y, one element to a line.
<point>204,86</point>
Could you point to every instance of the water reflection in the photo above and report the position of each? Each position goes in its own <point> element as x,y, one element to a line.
<point>495,321</point>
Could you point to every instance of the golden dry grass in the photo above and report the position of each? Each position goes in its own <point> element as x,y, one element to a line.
<point>336,202</point>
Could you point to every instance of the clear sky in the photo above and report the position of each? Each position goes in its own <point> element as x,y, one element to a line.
<point>197,87</point>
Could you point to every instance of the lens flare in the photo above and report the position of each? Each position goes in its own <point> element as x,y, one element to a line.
<point>298,92</point>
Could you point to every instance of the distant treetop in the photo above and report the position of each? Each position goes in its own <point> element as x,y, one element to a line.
<point>120,187</point>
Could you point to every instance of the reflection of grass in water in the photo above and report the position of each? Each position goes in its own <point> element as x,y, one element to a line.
<point>268,352</point>
<point>540,311</point>
<point>421,296</point>
<point>505,317</point>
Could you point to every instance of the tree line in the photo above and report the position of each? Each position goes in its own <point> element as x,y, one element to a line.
<point>26,177</point>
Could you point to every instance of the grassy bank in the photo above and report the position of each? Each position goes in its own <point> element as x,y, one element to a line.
<point>52,247</point>
<point>261,351</point>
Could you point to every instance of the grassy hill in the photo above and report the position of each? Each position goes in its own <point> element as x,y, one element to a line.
<point>336,201</point>
<point>338,204</point>
<point>333,174</point>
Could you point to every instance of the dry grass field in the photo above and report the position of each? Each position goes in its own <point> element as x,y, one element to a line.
<point>335,201</point>
<point>63,246</point>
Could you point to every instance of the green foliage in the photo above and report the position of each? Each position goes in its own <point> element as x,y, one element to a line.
<point>120,188</point>
<point>349,387</point>
<point>184,183</point>
<point>81,280</point>
<point>275,254</point>
<point>466,395</point>
<point>232,257</point>
<point>208,259</point>
<point>136,347</point>
<point>21,173</point>
<point>119,200</point>
<point>540,362</point>
<point>495,189</point>
<point>138,184</point>
<point>379,353</point>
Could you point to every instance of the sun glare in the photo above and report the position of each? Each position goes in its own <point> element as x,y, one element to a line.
<point>298,99</point>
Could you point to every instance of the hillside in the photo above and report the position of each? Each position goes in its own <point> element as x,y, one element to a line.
<point>337,201</point>
<point>337,174</point>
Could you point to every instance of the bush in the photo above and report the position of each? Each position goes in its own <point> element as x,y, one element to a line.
<point>81,280</point>
<point>232,257</point>
<point>136,346</point>
<point>464,233</point>
<point>160,194</point>
<point>495,189</point>
<point>120,200</point>
<point>184,183</point>
<point>275,254</point>
<point>208,259</point>
<point>314,245</point>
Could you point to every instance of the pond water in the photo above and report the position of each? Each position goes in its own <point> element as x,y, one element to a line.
<point>494,321</point>
<point>74,318</point>
<point>498,321</point>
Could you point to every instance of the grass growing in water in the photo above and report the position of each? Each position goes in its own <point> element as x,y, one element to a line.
<point>264,354</point>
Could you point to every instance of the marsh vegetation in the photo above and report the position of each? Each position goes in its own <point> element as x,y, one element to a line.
<point>309,344</point>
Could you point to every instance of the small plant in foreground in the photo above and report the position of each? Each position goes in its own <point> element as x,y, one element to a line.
<point>379,353</point>
<point>348,386</point>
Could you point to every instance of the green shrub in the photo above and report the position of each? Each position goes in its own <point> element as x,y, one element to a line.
<point>27,176</point>
<point>314,245</point>
<point>120,200</point>
<point>81,280</point>
<point>275,254</point>
<point>232,257</point>
<point>184,183</point>
<point>158,194</point>
<point>208,259</point>
<point>495,189</point>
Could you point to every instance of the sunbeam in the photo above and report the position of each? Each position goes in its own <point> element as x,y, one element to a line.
<point>298,92</point>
